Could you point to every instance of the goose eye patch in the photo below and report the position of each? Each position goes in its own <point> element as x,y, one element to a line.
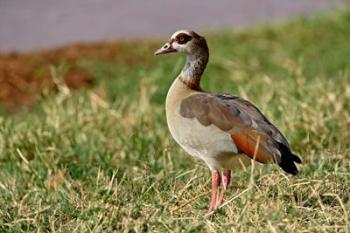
<point>183,38</point>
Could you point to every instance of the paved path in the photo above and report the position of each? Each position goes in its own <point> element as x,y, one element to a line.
<point>32,24</point>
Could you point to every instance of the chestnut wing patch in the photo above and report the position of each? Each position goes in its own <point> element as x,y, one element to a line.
<point>253,144</point>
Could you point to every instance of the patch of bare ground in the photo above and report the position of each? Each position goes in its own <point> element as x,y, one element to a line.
<point>24,78</point>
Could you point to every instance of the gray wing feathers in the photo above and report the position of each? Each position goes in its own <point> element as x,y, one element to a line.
<point>229,113</point>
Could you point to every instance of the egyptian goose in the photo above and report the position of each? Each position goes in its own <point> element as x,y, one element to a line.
<point>221,129</point>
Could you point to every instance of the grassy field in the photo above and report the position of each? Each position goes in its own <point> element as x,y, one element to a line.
<point>101,159</point>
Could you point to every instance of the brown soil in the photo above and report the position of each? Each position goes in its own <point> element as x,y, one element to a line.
<point>25,77</point>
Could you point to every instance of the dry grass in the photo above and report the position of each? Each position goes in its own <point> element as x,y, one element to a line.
<point>102,160</point>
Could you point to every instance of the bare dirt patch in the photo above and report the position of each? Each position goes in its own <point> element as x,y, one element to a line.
<point>25,77</point>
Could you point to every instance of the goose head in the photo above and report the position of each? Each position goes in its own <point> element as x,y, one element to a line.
<point>184,41</point>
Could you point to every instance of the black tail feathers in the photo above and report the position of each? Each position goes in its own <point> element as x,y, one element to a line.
<point>288,160</point>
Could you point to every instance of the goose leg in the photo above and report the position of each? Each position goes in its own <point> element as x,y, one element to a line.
<point>225,183</point>
<point>216,178</point>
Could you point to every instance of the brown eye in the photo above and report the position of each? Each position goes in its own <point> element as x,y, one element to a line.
<point>183,38</point>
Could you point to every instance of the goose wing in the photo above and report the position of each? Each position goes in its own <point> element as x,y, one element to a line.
<point>249,129</point>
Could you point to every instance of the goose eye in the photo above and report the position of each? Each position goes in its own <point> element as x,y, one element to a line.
<point>183,38</point>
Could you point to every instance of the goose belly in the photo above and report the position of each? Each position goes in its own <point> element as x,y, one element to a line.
<point>208,143</point>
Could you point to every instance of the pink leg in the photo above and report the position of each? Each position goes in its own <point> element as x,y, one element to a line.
<point>226,181</point>
<point>216,178</point>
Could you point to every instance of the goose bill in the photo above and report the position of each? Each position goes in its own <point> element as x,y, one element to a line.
<point>167,48</point>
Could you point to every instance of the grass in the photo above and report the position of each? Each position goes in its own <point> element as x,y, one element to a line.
<point>101,159</point>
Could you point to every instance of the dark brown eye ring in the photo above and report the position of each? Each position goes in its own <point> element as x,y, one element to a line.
<point>183,38</point>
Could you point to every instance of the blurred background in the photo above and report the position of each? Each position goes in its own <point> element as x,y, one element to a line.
<point>28,25</point>
<point>84,145</point>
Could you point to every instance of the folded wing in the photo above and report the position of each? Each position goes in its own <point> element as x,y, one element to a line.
<point>250,130</point>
